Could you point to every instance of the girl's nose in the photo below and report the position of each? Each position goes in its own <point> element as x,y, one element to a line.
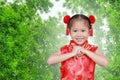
<point>79,33</point>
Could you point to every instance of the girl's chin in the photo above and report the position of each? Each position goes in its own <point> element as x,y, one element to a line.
<point>79,42</point>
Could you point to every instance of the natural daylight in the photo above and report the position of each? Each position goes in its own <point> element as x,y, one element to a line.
<point>32,30</point>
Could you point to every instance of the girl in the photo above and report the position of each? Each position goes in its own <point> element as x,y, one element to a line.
<point>78,58</point>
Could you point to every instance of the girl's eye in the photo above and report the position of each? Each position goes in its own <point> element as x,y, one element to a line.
<point>83,30</point>
<point>74,30</point>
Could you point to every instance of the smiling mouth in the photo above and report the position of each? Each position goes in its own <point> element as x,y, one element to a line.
<point>79,39</point>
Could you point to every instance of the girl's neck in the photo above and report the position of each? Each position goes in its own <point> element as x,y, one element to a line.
<point>73,43</point>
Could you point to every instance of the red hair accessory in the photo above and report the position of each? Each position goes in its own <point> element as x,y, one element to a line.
<point>92,20</point>
<point>66,20</point>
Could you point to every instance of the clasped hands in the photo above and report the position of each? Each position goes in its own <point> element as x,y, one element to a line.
<point>78,51</point>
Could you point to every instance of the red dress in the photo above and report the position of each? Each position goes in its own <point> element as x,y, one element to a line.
<point>77,68</point>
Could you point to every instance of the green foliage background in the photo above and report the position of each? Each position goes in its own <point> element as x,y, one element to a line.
<point>26,40</point>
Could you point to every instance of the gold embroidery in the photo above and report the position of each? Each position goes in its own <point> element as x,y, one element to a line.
<point>80,71</point>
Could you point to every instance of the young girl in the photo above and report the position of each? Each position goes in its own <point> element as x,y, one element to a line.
<point>78,58</point>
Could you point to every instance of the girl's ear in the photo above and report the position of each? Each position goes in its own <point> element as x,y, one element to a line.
<point>91,32</point>
<point>69,31</point>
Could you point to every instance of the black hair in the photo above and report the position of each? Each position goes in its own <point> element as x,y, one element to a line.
<point>76,17</point>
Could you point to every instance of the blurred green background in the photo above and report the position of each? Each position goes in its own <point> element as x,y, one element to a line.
<point>27,37</point>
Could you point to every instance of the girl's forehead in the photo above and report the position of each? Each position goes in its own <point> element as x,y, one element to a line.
<point>80,23</point>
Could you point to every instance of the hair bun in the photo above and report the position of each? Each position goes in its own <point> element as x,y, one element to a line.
<point>66,19</point>
<point>92,19</point>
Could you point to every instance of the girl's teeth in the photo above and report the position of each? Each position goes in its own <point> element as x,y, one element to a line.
<point>79,40</point>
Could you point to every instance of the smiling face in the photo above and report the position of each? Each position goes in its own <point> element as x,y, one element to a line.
<point>79,31</point>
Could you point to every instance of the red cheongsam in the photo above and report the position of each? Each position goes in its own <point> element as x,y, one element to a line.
<point>77,68</point>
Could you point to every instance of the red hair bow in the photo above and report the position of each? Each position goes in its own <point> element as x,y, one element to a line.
<point>92,21</point>
<point>66,20</point>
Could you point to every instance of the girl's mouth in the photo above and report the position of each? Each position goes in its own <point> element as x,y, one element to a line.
<point>79,39</point>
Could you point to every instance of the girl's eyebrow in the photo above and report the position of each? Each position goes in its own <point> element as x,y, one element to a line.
<point>74,28</point>
<point>78,28</point>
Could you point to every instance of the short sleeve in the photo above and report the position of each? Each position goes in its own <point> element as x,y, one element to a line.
<point>94,48</point>
<point>66,49</point>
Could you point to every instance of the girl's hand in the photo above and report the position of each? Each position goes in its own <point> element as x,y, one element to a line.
<point>77,51</point>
